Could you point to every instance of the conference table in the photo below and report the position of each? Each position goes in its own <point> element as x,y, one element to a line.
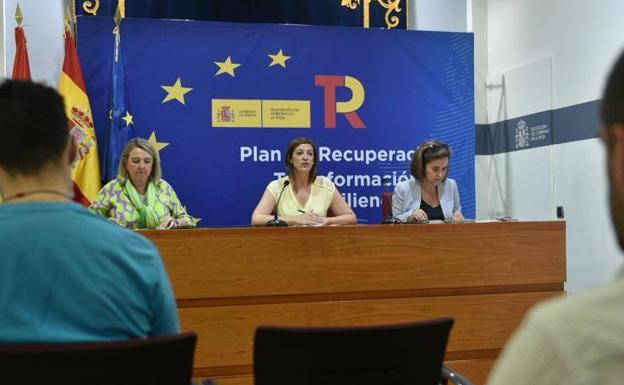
<point>228,281</point>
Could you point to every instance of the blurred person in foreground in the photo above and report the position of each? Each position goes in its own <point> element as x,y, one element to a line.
<point>139,198</point>
<point>66,275</point>
<point>579,339</point>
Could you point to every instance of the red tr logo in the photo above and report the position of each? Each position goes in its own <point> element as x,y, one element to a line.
<point>348,108</point>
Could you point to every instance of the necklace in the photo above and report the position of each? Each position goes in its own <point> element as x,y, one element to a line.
<point>38,191</point>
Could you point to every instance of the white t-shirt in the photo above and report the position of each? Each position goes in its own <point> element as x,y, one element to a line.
<point>573,340</point>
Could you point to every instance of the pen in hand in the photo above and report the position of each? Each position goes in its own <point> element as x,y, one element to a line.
<point>301,211</point>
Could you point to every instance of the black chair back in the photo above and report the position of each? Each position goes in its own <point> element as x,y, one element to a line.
<point>381,355</point>
<point>161,360</point>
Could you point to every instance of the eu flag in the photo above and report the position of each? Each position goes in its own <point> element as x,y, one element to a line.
<point>121,122</point>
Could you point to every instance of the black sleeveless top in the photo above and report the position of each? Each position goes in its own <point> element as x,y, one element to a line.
<point>433,213</point>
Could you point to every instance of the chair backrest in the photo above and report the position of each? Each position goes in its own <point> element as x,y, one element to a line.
<point>381,355</point>
<point>386,204</point>
<point>160,360</point>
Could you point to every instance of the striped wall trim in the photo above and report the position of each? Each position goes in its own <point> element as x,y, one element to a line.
<point>568,124</point>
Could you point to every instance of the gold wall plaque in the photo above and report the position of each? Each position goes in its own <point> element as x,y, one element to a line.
<point>390,5</point>
<point>91,7</point>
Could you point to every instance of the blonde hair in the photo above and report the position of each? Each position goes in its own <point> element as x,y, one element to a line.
<point>122,173</point>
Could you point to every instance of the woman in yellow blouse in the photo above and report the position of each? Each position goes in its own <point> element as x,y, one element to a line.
<point>306,197</point>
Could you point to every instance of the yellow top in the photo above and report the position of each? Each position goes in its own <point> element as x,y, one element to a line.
<point>321,195</point>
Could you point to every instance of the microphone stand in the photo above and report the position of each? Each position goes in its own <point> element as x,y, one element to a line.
<point>276,221</point>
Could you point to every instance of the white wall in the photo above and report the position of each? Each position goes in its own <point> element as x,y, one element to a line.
<point>43,23</point>
<point>437,15</point>
<point>581,186</point>
<point>2,54</point>
<point>581,39</point>
<point>477,23</point>
<point>518,92</point>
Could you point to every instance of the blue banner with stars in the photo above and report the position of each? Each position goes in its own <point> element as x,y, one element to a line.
<point>222,100</point>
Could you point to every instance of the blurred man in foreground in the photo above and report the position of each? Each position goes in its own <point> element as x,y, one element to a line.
<point>66,275</point>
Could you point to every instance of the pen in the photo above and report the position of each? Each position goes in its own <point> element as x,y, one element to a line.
<point>301,211</point>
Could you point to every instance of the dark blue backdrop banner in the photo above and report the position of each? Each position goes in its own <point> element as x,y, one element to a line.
<point>228,97</point>
<point>320,12</point>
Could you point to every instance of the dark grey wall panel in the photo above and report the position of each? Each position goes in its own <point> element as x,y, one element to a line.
<point>568,124</point>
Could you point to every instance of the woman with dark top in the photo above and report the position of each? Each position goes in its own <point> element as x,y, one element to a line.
<point>429,194</point>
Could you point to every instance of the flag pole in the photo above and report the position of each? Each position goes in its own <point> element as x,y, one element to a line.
<point>121,5</point>
<point>117,31</point>
<point>18,15</point>
<point>21,64</point>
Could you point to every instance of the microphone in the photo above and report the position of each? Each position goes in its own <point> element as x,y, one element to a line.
<point>276,221</point>
<point>387,181</point>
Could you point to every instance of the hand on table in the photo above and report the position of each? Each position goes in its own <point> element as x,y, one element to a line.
<point>457,216</point>
<point>419,216</point>
<point>168,223</point>
<point>311,218</point>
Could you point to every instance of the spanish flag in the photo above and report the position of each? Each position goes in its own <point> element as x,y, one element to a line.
<point>86,171</point>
